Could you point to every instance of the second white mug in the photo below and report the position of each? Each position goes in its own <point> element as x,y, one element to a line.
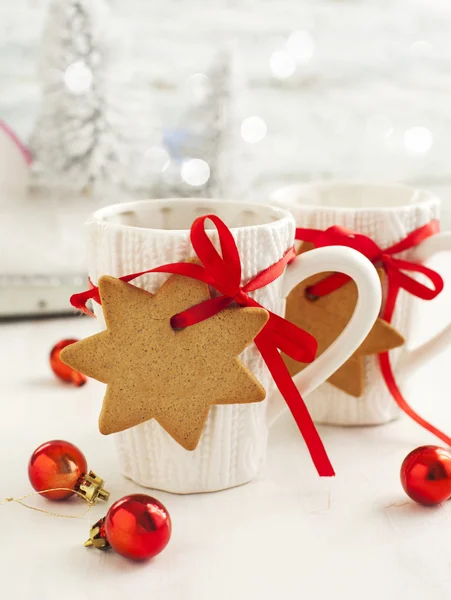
<point>386,214</point>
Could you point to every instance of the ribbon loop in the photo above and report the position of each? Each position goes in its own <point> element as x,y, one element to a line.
<point>394,267</point>
<point>223,272</point>
<point>225,269</point>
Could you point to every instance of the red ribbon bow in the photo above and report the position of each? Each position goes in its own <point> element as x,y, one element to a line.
<point>223,273</point>
<point>397,279</point>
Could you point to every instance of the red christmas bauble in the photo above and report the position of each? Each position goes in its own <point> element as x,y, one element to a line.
<point>62,371</point>
<point>426,475</point>
<point>138,526</point>
<point>56,464</point>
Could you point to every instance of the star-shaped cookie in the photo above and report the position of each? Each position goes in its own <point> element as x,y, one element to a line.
<point>154,371</point>
<point>325,318</point>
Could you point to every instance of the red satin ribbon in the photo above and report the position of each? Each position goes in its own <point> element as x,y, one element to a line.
<point>223,273</point>
<point>397,279</point>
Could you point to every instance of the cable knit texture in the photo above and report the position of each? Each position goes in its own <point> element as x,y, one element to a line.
<point>386,226</point>
<point>233,444</point>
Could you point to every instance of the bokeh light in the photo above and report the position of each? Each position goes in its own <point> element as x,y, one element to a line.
<point>195,172</point>
<point>253,129</point>
<point>282,64</point>
<point>418,140</point>
<point>301,46</point>
<point>78,78</point>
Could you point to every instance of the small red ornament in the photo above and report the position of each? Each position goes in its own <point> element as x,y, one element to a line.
<point>62,371</point>
<point>60,464</point>
<point>426,475</point>
<point>136,526</point>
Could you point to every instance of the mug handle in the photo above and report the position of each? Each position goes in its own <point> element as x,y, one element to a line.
<point>359,268</point>
<point>440,242</point>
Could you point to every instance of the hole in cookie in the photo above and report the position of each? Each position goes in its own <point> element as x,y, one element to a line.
<point>311,297</point>
<point>175,324</point>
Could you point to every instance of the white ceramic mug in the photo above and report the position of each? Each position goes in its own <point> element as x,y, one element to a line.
<point>133,237</point>
<point>387,214</point>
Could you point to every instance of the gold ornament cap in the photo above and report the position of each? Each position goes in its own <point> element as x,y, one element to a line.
<point>97,536</point>
<point>91,488</point>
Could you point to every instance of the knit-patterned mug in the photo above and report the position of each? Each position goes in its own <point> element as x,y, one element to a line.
<point>386,214</point>
<point>133,237</point>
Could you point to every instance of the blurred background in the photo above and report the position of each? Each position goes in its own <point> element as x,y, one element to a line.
<point>109,100</point>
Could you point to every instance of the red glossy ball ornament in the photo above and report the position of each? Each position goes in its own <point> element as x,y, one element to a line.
<point>136,526</point>
<point>56,464</point>
<point>62,371</point>
<point>60,464</point>
<point>426,475</point>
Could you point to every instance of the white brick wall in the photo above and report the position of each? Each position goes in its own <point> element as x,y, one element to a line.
<point>368,62</point>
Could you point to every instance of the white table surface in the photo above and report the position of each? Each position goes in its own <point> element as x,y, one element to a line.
<point>287,535</point>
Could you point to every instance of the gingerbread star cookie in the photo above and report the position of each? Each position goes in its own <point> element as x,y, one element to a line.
<point>154,371</point>
<point>325,318</point>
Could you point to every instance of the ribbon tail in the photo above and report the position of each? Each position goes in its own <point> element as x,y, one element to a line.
<point>387,372</point>
<point>296,405</point>
<point>288,337</point>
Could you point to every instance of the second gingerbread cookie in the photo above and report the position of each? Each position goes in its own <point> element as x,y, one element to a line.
<point>325,318</point>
